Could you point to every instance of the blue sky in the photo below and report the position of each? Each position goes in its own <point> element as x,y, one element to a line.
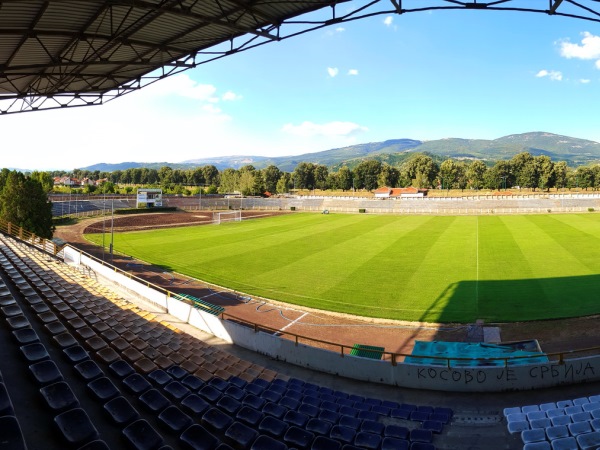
<point>428,75</point>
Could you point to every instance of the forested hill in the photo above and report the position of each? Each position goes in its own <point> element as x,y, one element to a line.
<point>560,148</point>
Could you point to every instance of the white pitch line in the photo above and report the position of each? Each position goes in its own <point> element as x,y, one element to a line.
<point>293,322</point>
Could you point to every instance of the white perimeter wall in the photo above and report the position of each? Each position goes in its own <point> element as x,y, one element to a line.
<point>481,379</point>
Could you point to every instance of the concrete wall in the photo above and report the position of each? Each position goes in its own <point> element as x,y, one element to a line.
<point>480,379</point>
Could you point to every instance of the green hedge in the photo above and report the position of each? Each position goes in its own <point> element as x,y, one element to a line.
<point>362,210</point>
<point>292,208</point>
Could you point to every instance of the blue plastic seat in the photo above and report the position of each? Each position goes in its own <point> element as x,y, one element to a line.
<point>367,440</point>
<point>342,434</point>
<point>174,420</point>
<point>153,401</point>
<point>121,369</point>
<point>59,396</point>
<point>196,437</point>
<point>264,442</point>
<point>159,377</point>
<point>76,427</point>
<point>249,416</point>
<point>275,410</point>
<point>45,372</point>
<point>103,389</point>
<point>297,437</point>
<point>11,436</point>
<point>120,411</point>
<point>177,372</point>
<point>136,383</point>
<point>176,390</point>
<point>34,352</point>
<point>253,401</point>
<point>272,426</point>
<point>88,370</point>
<point>390,443</point>
<point>210,393</point>
<point>192,382</point>
<point>142,436</point>
<point>240,435</point>
<point>325,443</point>
<point>216,420</point>
<point>229,405</point>
<point>319,427</point>
<point>194,404</point>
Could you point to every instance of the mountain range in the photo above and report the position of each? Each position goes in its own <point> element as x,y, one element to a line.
<point>559,148</point>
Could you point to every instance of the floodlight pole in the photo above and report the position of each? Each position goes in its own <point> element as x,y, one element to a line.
<point>103,220</point>
<point>112,228</point>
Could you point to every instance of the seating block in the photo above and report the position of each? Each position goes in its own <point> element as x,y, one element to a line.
<point>216,420</point>
<point>194,404</point>
<point>136,383</point>
<point>297,437</point>
<point>153,401</point>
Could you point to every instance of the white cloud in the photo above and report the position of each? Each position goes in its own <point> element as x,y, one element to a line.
<point>330,129</point>
<point>332,71</point>
<point>551,74</point>
<point>340,29</point>
<point>182,86</point>
<point>588,49</point>
<point>353,72</point>
<point>584,81</point>
<point>388,21</point>
<point>598,64</point>
<point>231,96</point>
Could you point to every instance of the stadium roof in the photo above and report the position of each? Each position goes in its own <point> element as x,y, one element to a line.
<point>63,53</point>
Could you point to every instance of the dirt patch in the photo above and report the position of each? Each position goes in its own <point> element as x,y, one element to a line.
<point>344,329</point>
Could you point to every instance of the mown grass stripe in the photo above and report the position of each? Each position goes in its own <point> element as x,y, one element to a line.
<point>397,267</point>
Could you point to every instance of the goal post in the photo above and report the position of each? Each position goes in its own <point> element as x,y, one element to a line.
<point>227,216</point>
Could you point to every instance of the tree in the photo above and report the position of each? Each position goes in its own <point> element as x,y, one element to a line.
<point>545,172</point>
<point>475,174</point>
<point>421,169</point>
<point>388,176</point>
<point>229,181</point>
<point>344,178</point>
<point>246,182</point>
<point>500,175</point>
<point>448,174</point>
<point>211,175</point>
<point>283,184</point>
<point>271,175</point>
<point>24,202</point>
<point>304,176</point>
<point>165,176</point>
<point>560,174</point>
<point>321,173</point>
<point>45,180</point>
<point>366,174</point>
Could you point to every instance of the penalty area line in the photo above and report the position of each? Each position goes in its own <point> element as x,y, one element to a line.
<point>293,322</point>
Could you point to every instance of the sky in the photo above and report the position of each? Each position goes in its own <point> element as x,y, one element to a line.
<point>426,75</point>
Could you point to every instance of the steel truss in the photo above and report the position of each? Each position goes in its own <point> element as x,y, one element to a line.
<point>97,51</point>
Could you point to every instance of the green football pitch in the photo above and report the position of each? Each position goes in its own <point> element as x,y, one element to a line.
<point>419,268</point>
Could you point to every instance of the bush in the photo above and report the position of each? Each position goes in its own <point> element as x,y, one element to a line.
<point>292,208</point>
<point>362,210</point>
<point>591,210</point>
<point>549,210</point>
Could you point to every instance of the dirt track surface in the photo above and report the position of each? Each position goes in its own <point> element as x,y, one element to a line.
<point>394,336</point>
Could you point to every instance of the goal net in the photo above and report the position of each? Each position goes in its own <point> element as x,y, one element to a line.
<point>227,216</point>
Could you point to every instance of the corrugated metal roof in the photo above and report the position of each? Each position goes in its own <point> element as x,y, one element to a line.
<point>58,53</point>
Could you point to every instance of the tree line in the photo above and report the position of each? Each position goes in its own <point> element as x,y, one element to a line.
<point>420,170</point>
